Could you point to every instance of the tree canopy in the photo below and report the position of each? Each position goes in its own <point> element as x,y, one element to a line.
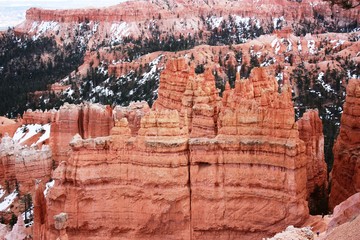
<point>346,4</point>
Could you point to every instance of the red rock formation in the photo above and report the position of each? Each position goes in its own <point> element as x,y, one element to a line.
<point>133,113</point>
<point>138,189</point>
<point>345,175</point>
<point>24,164</point>
<point>345,211</point>
<point>344,223</point>
<point>256,157</point>
<point>180,182</point>
<point>18,232</point>
<point>173,83</point>
<point>130,11</point>
<point>38,117</point>
<point>310,131</point>
<point>88,120</point>
<point>40,214</point>
<point>8,126</point>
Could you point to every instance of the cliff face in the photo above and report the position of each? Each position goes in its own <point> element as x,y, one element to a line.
<point>130,17</point>
<point>311,132</point>
<point>256,157</point>
<point>198,166</point>
<point>24,164</point>
<point>138,189</point>
<point>345,175</point>
<point>141,10</point>
<point>88,120</point>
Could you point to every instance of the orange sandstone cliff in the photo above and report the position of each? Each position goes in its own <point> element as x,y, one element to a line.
<point>345,176</point>
<point>196,167</point>
<point>311,132</point>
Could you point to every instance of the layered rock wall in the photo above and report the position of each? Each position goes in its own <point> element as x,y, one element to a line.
<point>198,167</point>
<point>138,189</point>
<point>345,176</point>
<point>88,120</point>
<point>311,132</point>
<point>257,157</point>
<point>24,165</point>
<point>38,117</point>
<point>132,11</point>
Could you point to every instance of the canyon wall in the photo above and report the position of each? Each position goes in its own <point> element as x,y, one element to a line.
<point>88,120</point>
<point>121,187</point>
<point>197,167</point>
<point>311,132</point>
<point>24,165</point>
<point>345,176</point>
<point>131,11</point>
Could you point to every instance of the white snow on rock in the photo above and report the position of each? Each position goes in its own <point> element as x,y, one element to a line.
<point>299,46</point>
<point>8,200</point>
<point>241,20</point>
<point>46,134</point>
<point>42,27</point>
<point>326,86</point>
<point>118,31</point>
<point>26,132</point>
<point>311,46</point>
<point>48,186</point>
<point>153,64</point>
<point>277,22</point>
<point>214,21</point>
<point>276,44</point>
<point>338,43</point>
<point>29,215</point>
<point>2,192</point>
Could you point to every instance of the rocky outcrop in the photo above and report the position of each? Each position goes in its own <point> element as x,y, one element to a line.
<point>18,231</point>
<point>40,213</point>
<point>346,211</point>
<point>88,120</point>
<point>24,165</point>
<point>256,157</point>
<point>131,11</point>
<point>311,132</point>
<point>172,92</point>
<point>345,175</point>
<point>39,117</point>
<point>345,221</point>
<point>133,113</point>
<point>8,126</point>
<point>148,173</point>
<point>60,224</point>
<point>199,167</point>
<point>295,234</point>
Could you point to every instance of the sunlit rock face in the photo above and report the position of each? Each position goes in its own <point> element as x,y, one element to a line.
<point>195,166</point>
<point>88,120</point>
<point>345,176</point>
<point>23,165</point>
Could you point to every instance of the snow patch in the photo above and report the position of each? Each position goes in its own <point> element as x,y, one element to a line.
<point>42,28</point>
<point>215,21</point>
<point>278,22</point>
<point>26,132</point>
<point>311,46</point>
<point>29,215</point>
<point>48,186</point>
<point>118,31</point>
<point>46,134</point>
<point>148,75</point>
<point>326,86</point>
<point>8,200</point>
<point>338,43</point>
